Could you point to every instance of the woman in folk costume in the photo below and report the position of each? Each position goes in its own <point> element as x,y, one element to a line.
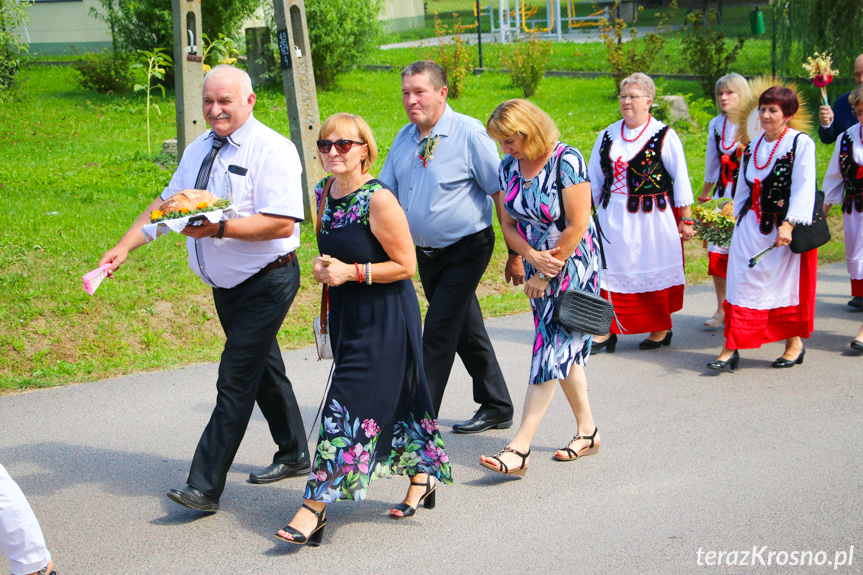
<point>637,174</point>
<point>721,165</point>
<point>775,299</point>
<point>843,184</point>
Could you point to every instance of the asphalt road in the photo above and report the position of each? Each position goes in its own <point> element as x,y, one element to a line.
<point>690,461</point>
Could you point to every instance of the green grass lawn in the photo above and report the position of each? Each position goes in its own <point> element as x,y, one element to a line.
<point>75,174</point>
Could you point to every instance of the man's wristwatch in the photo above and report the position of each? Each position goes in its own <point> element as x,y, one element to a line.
<point>221,231</point>
<point>542,276</point>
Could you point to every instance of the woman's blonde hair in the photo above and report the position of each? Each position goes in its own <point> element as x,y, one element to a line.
<point>734,83</point>
<point>643,81</point>
<point>856,96</point>
<point>526,119</point>
<point>346,124</point>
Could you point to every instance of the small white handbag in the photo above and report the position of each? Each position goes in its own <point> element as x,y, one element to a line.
<point>322,340</point>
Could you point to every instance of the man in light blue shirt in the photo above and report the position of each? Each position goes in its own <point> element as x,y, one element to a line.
<point>443,168</point>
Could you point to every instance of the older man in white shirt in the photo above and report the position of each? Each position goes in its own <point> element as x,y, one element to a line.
<point>250,262</point>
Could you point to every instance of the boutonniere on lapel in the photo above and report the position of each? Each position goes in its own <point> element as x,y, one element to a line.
<point>427,149</point>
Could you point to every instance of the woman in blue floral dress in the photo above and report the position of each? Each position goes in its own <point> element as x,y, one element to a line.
<point>561,252</point>
<point>378,418</point>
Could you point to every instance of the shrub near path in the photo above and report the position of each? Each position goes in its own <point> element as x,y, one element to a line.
<point>74,177</point>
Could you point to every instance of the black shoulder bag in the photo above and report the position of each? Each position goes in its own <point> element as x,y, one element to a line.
<point>578,309</point>
<point>805,238</point>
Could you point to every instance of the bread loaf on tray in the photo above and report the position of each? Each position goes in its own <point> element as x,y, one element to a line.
<point>187,200</point>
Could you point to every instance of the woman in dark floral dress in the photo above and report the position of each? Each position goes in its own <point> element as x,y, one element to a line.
<point>538,177</point>
<point>378,418</point>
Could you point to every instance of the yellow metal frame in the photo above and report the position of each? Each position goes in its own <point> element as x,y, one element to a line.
<point>529,13</point>
<point>570,12</point>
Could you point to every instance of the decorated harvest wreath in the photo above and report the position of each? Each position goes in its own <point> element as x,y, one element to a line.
<point>746,114</point>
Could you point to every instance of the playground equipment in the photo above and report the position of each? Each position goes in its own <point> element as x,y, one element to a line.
<point>518,18</point>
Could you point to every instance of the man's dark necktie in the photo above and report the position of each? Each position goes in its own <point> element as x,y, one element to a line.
<point>207,164</point>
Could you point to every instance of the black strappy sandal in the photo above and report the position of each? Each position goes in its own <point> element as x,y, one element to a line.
<point>313,538</point>
<point>504,469</point>
<point>572,455</point>
<point>427,500</point>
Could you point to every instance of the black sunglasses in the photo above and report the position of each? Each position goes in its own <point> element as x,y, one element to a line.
<point>343,146</point>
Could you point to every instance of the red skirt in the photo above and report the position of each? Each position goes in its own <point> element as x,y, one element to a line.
<point>747,328</point>
<point>717,264</point>
<point>645,312</point>
<point>856,288</point>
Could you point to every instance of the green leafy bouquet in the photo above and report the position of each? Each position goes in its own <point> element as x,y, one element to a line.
<point>714,221</point>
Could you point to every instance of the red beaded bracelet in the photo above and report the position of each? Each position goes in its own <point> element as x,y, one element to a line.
<point>359,275</point>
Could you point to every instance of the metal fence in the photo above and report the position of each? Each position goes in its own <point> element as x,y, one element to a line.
<point>62,27</point>
<point>566,20</point>
<point>68,27</point>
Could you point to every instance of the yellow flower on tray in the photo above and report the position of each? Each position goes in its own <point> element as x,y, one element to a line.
<point>184,211</point>
<point>156,215</point>
<point>202,205</point>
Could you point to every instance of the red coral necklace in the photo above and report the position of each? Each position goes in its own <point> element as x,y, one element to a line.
<point>641,133</point>
<point>775,146</point>
<point>722,140</point>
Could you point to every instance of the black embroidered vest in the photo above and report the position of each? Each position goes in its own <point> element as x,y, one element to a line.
<point>729,167</point>
<point>775,190</point>
<point>646,177</point>
<point>851,174</point>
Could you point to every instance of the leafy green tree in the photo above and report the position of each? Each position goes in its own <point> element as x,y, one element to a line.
<point>634,55</point>
<point>340,34</point>
<point>705,50</point>
<point>152,67</point>
<point>148,24</point>
<point>807,26</point>
<point>13,14</point>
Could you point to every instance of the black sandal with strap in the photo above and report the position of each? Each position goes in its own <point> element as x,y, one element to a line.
<point>573,455</point>
<point>427,500</point>
<point>504,469</point>
<point>313,538</point>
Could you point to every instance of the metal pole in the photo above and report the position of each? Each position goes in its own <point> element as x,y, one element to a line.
<point>479,31</point>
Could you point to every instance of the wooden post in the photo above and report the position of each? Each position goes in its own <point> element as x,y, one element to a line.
<point>295,61</point>
<point>188,72</point>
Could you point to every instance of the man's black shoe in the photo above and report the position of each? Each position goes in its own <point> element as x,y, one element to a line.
<point>279,471</point>
<point>194,499</point>
<point>482,422</point>
<point>856,302</point>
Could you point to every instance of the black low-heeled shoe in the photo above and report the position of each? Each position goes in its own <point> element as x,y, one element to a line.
<point>856,345</point>
<point>313,538</point>
<point>608,345</point>
<point>650,344</point>
<point>427,500</point>
<point>732,361</point>
<point>782,362</point>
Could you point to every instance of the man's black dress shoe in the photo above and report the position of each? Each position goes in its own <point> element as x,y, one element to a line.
<point>482,422</point>
<point>279,471</point>
<point>856,345</point>
<point>194,499</point>
<point>856,302</point>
